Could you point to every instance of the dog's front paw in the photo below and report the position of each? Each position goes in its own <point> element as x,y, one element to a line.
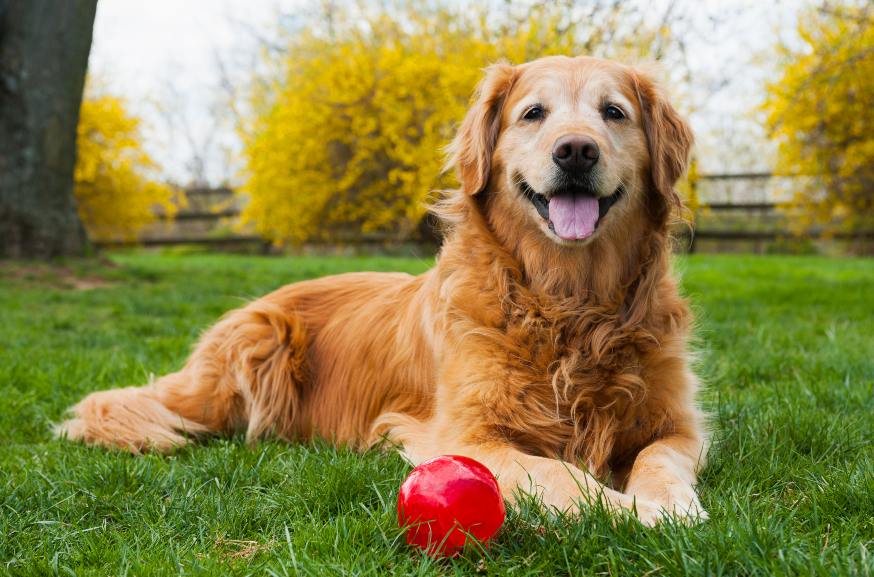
<point>651,515</point>
<point>689,512</point>
<point>686,507</point>
<point>648,512</point>
<point>681,505</point>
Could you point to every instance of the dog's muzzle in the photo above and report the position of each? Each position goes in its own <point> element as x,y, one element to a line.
<point>572,213</point>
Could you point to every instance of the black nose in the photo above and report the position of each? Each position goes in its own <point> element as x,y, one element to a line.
<point>575,153</point>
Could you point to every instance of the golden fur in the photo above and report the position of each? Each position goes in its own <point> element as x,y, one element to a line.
<point>561,365</point>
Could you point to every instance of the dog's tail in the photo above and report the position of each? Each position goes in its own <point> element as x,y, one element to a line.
<point>247,373</point>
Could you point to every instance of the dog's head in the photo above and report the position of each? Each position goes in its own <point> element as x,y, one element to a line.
<point>569,145</point>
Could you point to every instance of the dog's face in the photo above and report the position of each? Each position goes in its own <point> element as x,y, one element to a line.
<point>571,144</point>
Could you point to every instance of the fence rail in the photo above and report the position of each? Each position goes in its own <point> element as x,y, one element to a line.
<point>772,235</point>
<point>744,206</point>
<point>737,176</point>
<point>201,223</point>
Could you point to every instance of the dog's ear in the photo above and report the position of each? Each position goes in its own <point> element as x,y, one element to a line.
<point>668,136</point>
<point>470,153</point>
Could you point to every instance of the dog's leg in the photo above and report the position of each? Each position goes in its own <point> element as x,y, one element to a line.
<point>246,373</point>
<point>664,472</point>
<point>559,484</point>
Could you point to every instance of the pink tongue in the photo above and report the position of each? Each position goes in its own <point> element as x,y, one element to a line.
<point>573,216</point>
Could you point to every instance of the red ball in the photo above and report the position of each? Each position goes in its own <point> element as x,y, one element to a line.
<point>447,498</point>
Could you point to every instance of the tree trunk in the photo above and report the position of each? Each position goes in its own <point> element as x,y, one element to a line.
<point>44,46</point>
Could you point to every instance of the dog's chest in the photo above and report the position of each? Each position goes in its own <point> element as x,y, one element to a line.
<point>570,386</point>
<point>574,349</point>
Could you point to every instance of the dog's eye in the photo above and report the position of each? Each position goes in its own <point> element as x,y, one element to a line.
<point>613,112</point>
<point>536,112</point>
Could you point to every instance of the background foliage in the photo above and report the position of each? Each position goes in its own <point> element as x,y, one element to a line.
<point>820,112</point>
<point>115,186</point>
<point>345,136</point>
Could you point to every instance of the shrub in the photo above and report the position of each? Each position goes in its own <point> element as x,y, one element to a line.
<point>820,112</point>
<point>114,188</point>
<point>345,140</point>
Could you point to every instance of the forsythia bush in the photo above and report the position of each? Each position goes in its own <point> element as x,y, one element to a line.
<point>347,139</point>
<point>113,189</point>
<point>821,113</point>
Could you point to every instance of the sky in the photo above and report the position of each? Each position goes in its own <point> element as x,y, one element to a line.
<point>165,56</point>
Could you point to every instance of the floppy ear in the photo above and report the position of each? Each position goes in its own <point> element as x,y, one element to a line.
<point>668,136</point>
<point>471,150</point>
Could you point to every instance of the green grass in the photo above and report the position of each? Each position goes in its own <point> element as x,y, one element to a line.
<point>786,347</point>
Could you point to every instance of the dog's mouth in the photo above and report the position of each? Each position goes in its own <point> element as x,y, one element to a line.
<point>572,212</point>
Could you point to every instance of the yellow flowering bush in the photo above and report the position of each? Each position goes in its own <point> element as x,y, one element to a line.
<point>347,139</point>
<point>114,189</point>
<point>821,111</point>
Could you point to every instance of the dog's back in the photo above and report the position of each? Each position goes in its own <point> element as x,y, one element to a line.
<point>325,357</point>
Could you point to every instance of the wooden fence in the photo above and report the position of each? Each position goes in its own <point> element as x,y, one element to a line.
<point>740,211</point>
<point>729,218</point>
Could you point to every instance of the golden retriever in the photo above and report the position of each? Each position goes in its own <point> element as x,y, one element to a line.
<point>549,341</point>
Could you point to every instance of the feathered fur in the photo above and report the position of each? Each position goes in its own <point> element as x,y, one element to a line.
<point>560,367</point>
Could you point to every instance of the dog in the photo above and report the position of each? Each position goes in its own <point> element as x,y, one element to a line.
<point>549,341</point>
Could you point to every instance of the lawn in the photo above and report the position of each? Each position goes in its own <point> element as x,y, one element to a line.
<point>786,349</point>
